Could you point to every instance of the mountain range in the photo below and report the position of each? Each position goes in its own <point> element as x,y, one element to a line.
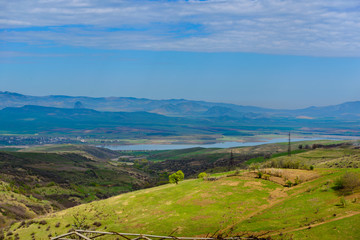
<point>178,107</point>
<point>165,120</point>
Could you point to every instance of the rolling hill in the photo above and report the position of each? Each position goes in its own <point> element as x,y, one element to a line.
<point>236,205</point>
<point>35,183</point>
<point>65,119</point>
<point>124,127</point>
<point>55,121</point>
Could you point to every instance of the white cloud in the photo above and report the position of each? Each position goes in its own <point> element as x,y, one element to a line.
<point>318,27</point>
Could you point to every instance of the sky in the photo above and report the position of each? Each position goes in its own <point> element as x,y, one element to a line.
<point>269,53</point>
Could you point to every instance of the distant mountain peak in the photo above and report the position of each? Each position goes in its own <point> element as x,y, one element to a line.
<point>78,105</point>
<point>7,93</point>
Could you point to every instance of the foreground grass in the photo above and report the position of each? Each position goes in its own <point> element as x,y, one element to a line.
<point>346,228</point>
<point>235,205</point>
<point>14,205</point>
<point>339,157</point>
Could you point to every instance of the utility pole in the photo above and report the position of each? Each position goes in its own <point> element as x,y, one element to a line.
<point>289,147</point>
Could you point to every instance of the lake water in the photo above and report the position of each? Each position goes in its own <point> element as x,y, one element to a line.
<point>215,145</point>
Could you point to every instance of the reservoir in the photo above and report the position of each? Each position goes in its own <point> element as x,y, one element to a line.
<point>214,145</point>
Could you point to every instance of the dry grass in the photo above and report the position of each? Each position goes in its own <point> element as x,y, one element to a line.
<point>280,176</point>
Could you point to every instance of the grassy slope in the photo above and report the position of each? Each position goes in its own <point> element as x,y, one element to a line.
<point>34,183</point>
<point>198,152</point>
<point>215,153</point>
<point>17,206</point>
<point>195,160</point>
<point>338,157</point>
<point>91,152</point>
<point>337,230</point>
<point>236,204</point>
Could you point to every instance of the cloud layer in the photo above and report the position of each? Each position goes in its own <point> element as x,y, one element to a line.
<point>315,28</point>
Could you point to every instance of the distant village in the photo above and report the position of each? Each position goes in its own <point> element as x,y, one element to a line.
<point>34,140</point>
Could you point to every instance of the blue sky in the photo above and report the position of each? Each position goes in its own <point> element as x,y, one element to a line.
<point>279,53</point>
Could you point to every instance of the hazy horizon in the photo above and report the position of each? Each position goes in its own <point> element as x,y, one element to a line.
<point>161,99</point>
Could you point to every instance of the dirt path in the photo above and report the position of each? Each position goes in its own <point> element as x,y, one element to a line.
<point>317,224</point>
<point>272,202</point>
<point>280,198</point>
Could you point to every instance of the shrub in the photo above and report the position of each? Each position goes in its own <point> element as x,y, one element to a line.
<point>259,174</point>
<point>202,175</point>
<point>43,222</point>
<point>311,167</point>
<point>79,222</point>
<point>347,182</point>
<point>266,176</point>
<point>267,155</point>
<point>254,166</point>
<point>342,202</point>
<point>212,178</point>
<point>50,184</point>
<point>288,183</point>
<point>324,188</point>
<point>284,163</point>
<point>97,224</point>
<point>297,180</point>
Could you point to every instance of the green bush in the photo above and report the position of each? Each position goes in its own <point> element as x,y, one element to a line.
<point>288,183</point>
<point>50,184</point>
<point>259,174</point>
<point>284,163</point>
<point>266,176</point>
<point>347,182</point>
<point>342,202</point>
<point>202,175</point>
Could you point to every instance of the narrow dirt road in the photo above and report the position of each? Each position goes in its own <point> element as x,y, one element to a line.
<point>317,224</point>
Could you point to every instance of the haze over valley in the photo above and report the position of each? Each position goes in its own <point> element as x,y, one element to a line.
<point>118,120</point>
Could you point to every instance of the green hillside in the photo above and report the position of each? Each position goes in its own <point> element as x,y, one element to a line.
<point>35,183</point>
<point>342,155</point>
<point>31,123</point>
<point>234,204</point>
<point>14,205</point>
<point>42,180</point>
<point>95,153</point>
